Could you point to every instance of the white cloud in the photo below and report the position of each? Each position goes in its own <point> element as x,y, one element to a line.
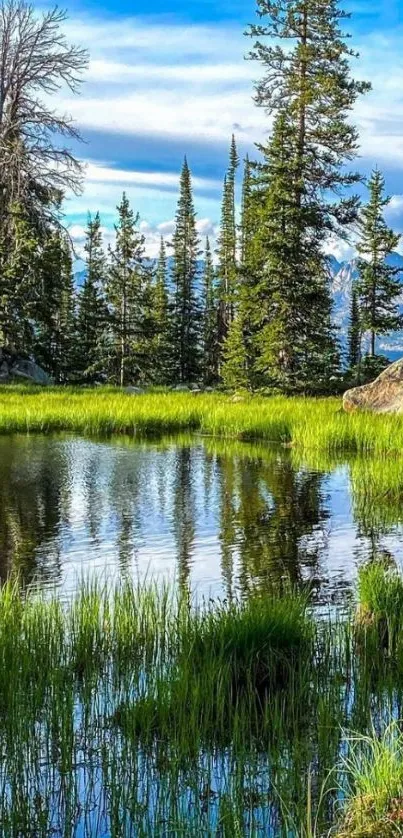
<point>165,79</point>
<point>166,228</point>
<point>395,207</point>
<point>151,232</point>
<point>205,227</point>
<point>342,250</point>
<point>102,174</point>
<point>160,79</point>
<point>120,73</point>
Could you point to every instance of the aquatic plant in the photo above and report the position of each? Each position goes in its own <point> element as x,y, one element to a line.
<point>126,708</point>
<point>374,770</point>
<point>380,603</point>
<point>259,642</point>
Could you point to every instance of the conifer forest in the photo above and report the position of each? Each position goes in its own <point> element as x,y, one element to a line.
<point>251,311</point>
<point>201,419</point>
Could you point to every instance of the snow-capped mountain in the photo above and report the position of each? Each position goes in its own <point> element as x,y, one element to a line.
<point>343,275</point>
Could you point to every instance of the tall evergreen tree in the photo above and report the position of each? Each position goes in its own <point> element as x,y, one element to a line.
<point>210,342</point>
<point>250,264</point>
<point>67,320</point>
<point>186,308</point>
<point>55,333</point>
<point>127,292</point>
<point>91,320</point>
<point>160,349</point>
<point>227,246</point>
<point>308,88</point>
<point>19,262</point>
<point>354,331</point>
<point>378,286</point>
<point>246,223</point>
<point>234,367</point>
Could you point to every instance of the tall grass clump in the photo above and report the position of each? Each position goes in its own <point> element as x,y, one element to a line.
<point>374,771</point>
<point>380,605</point>
<point>259,642</point>
<point>235,668</point>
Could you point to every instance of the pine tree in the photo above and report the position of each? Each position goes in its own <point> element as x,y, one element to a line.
<point>378,286</point>
<point>234,367</point>
<point>291,316</point>
<point>227,245</point>
<point>55,333</point>
<point>91,320</point>
<point>67,333</point>
<point>247,216</point>
<point>186,308</point>
<point>308,88</point>
<point>19,257</point>
<point>161,354</point>
<point>127,291</point>
<point>354,331</point>
<point>250,264</point>
<point>210,341</point>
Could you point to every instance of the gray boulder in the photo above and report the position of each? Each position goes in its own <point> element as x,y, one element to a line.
<point>133,391</point>
<point>384,395</point>
<point>30,371</point>
<point>14,368</point>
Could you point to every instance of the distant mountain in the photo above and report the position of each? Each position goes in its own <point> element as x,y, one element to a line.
<point>343,275</point>
<point>79,278</point>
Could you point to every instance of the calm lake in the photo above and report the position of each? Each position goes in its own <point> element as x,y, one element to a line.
<point>217,517</point>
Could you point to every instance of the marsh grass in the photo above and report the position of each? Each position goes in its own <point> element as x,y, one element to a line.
<point>307,423</point>
<point>128,711</point>
<point>380,607</point>
<point>259,642</point>
<point>374,767</point>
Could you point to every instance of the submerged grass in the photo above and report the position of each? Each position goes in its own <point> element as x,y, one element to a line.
<point>128,711</point>
<point>304,422</point>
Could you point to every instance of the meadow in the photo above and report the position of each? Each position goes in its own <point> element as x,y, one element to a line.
<point>306,423</point>
<point>128,710</point>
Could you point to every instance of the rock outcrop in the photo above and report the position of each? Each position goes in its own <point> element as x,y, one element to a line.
<point>15,368</point>
<point>384,395</point>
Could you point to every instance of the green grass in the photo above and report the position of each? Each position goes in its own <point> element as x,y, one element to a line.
<point>374,768</point>
<point>307,423</point>
<point>130,711</point>
<point>256,642</point>
<point>380,605</point>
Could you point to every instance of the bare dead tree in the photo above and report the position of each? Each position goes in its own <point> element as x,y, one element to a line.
<point>36,61</point>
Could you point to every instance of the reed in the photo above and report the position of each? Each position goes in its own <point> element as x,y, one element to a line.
<point>380,606</point>
<point>374,768</point>
<point>126,709</point>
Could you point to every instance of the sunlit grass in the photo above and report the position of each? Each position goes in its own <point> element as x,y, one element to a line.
<point>304,422</point>
<point>380,605</point>
<point>374,767</point>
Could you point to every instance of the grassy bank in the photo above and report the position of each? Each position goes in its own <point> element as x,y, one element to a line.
<point>128,711</point>
<point>306,423</point>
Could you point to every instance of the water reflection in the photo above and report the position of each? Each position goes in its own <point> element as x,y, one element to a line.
<point>219,517</point>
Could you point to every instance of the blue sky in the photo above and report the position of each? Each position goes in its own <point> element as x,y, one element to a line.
<point>175,81</point>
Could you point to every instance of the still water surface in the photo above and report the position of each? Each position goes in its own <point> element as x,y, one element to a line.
<point>219,518</point>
